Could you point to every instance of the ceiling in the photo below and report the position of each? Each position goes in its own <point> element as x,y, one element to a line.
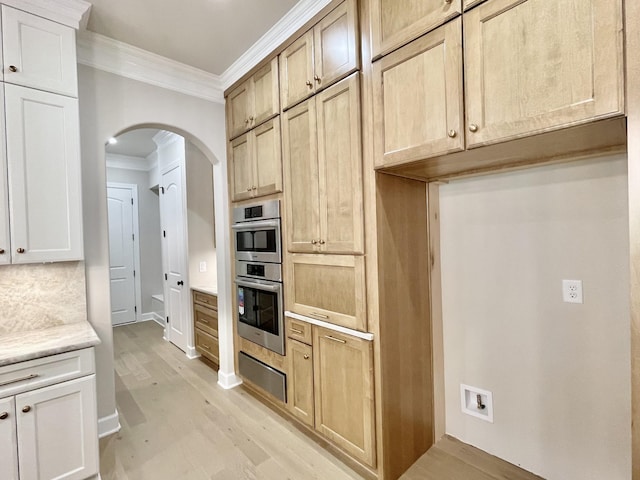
<point>206,34</point>
<point>136,143</point>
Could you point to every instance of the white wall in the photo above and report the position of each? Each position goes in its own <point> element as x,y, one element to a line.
<point>559,372</point>
<point>149,237</point>
<point>110,104</point>
<point>200,218</point>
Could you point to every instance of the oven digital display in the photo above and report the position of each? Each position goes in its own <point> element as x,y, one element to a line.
<point>253,212</point>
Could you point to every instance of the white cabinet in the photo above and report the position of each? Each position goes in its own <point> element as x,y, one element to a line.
<point>38,53</point>
<point>5,245</point>
<point>49,430</point>
<point>43,157</point>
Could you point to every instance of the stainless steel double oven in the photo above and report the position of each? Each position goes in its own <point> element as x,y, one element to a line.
<point>258,282</point>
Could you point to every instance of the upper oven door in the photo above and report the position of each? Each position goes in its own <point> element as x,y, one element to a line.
<point>258,241</point>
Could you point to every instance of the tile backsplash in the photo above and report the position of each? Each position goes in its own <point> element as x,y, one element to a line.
<point>38,296</point>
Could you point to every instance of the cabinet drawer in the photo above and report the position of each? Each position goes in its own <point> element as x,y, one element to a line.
<point>299,330</point>
<point>206,319</point>
<point>24,376</point>
<point>207,346</point>
<point>205,299</point>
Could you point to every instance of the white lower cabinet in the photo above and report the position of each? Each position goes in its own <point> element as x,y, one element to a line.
<point>50,432</point>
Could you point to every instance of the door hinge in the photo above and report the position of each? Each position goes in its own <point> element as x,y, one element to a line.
<point>164,233</point>
<point>134,274</point>
<point>132,201</point>
<point>167,319</point>
<point>133,237</point>
<point>165,277</point>
<point>135,309</point>
<point>162,190</point>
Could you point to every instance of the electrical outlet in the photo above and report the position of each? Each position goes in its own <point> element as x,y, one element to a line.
<point>477,402</point>
<point>572,291</point>
<point>203,266</point>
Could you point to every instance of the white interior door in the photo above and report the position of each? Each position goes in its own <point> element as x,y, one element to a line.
<point>174,248</point>
<point>121,254</point>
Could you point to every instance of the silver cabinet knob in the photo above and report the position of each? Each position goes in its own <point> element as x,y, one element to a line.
<point>13,68</point>
<point>473,128</point>
<point>452,133</point>
<point>4,415</point>
<point>20,250</point>
<point>26,409</point>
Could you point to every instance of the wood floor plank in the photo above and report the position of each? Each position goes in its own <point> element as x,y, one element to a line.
<point>178,424</point>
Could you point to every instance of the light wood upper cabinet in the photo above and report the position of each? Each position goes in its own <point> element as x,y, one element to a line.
<point>532,66</point>
<point>38,53</point>
<point>254,101</point>
<point>300,381</point>
<point>43,156</point>
<point>328,287</point>
<point>397,22</point>
<point>321,56</point>
<point>417,98</point>
<point>256,162</point>
<point>323,171</point>
<point>344,406</point>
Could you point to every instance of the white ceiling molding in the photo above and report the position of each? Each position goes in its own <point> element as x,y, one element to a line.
<point>300,14</point>
<point>127,162</point>
<point>164,138</point>
<point>73,13</point>
<point>122,59</point>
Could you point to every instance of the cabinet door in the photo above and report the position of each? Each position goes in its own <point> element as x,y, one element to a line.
<point>335,51</point>
<point>266,93</point>
<point>241,167</point>
<point>58,431</point>
<point>268,158</point>
<point>5,245</point>
<point>41,52</point>
<point>397,22</point>
<point>532,66</point>
<point>343,370</point>
<point>239,109</point>
<point>301,176</point>
<point>8,440</point>
<point>471,3</point>
<point>44,176</point>
<point>340,167</point>
<point>296,71</point>
<point>329,288</point>
<point>418,98</point>
<point>300,381</point>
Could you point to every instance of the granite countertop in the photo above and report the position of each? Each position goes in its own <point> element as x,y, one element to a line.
<point>21,346</point>
<point>205,289</point>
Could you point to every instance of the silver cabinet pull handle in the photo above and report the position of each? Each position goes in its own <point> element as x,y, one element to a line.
<point>28,377</point>
<point>299,332</point>
<point>339,340</point>
<point>319,315</point>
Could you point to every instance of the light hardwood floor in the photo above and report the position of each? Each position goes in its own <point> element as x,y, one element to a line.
<point>178,424</point>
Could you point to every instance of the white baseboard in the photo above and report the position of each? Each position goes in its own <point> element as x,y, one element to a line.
<point>192,353</point>
<point>108,425</point>
<point>228,380</point>
<point>147,317</point>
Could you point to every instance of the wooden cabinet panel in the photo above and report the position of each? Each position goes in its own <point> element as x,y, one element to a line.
<point>344,406</point>
<point>418,106</point>
<point>239,108</point>
<point>397,22</point>
<point>5,238</point>
<point>335,51</point>
<point>329,288</point>
<point>207,346</point>
<point>300,331</point>
<point>58,431</point>
<point>472,3</point>
<point>43,153</point>
<point>266,93</point>
<point>8,440</point>
<point>533,66</point>
<point>340,168</point>
<point>205,299</point>
<point>206,319</point>
<point>300,381</point>
<point>296,71</point>
<point>42,52</point>
<point>301,176</point>
<point>241,168</point>
<point>267,158</point>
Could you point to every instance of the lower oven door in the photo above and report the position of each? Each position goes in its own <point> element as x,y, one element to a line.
<point>260,313</point>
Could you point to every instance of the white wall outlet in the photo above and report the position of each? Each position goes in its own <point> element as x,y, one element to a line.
<point>477,402</point>
<point>203,267</point>
<point>572,291</point>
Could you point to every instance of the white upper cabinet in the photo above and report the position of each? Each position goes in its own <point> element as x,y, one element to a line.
<point>44,176</point>
<point>5,246</point>
<point>38,53</point>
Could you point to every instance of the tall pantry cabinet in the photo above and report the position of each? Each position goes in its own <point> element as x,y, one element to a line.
<point>40,211</point>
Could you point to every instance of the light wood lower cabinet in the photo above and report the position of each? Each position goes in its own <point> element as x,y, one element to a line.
<point>343,388</point>
<point>330,288</point>
<point>534,65</point>
<point>300,381</point>
<point>205,322</point>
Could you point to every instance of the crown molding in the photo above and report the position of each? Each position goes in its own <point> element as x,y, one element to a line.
<point>128,162</point>
<point>73,13</point>
<point>295,19</point>
<point>165,138</point>
<point>104,53</point>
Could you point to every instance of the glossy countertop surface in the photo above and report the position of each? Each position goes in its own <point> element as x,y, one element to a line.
<point>22,346</point>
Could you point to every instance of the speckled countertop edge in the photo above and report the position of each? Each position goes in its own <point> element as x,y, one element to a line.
<point>203,289</point>
<point>22,346</point>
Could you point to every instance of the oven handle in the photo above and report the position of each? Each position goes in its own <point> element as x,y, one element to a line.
<point>254,225</point>
<point>259,286</point>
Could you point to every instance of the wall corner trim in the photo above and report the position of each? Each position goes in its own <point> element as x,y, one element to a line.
<point>104,53</point>
<point>72,13</point>
<point>109,425</point>
<point>228,380</point>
